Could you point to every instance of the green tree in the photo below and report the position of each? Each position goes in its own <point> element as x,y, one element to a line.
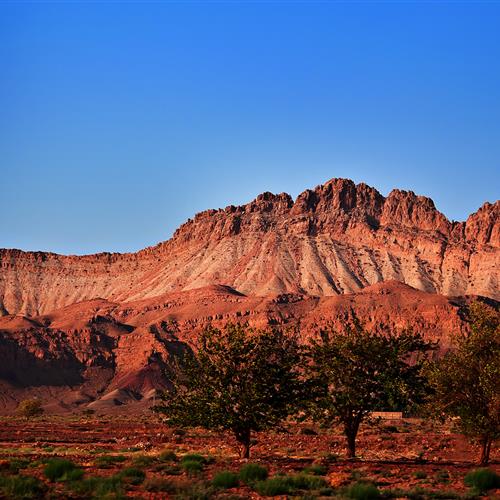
<point>353,372</point>
<point>30,408</point>
<point>240,379</point>
<point>466,380</point>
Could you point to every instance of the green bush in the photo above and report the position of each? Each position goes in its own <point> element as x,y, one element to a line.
<point>420,474</point>
<point>284,485</point>
<point>167,456</point>
<point>194,457</point>
<point>225,479</point>
<point>305,482</point>
<point>250,473</point>
<point>21,487</point>
<point>99,487</point>
<point>168,469</point>
<point>142,460</point>
<point>159,485</point>
<point>132,475</point>
<point>316,470</point>
<point>16,464</point>
<point>278,485</point>
<point>482,479</point>
<point>30,408</point>
<point>107,461</point>
<point>58,469</point>
<point>192,467</point>
<point>363,491</point>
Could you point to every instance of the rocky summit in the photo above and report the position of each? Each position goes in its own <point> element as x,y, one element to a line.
<point>96,331</point>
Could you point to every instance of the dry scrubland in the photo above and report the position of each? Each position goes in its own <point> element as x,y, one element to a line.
<point>118,457</point>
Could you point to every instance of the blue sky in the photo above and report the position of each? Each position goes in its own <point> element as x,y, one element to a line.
<point>119,121</point>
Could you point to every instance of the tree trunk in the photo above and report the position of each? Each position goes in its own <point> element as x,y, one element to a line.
<point>485,450</point>
<point>351,428</point>
<point>243,438</point>
<point>351,445</point>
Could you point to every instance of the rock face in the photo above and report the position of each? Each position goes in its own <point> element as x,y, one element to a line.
<point>97,331</point>
<point>338,238</point>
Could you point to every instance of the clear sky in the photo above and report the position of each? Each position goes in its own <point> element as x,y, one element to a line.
<point>118,121</point>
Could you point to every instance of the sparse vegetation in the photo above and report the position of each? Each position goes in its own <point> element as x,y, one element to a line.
<point>30,408</point>
<point>250,473</point>
<point>363,491</point>
<point>21,487</point>
<point>225,480</point>
<point>482,479</point>
<point>58,469</point>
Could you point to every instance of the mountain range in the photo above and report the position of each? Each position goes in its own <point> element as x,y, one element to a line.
<point>97,331</point>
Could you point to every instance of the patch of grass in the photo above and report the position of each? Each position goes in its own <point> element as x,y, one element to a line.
<point>421,494</point>
<point>132,475</point>
<point>482,479</point>
<point>194,457</point>
<point>168,469</point>
<point>225,479</point>
<point>160,485</point>
<point>167,456</point>
<point>443,476</point>
<point>58,469</point>
<point>21,487</point>
<point>142,460</point>
<point>16,464</point>
<point>194,491</point>
<point>192,467</point>
<point>363,491</point>
<point>99,487</point>
<point>285,485</point>
<point>250,473</point>
<point>107,461</point>
<point>277,485</point>
<point>420,474</point>
<point>316,470</point>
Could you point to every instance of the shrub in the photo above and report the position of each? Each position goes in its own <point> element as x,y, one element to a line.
<point>30,408</point>
<point>225,479</point>
<point>194,457</point>
<point>278,485</point>
<point>58,469</point>
<point>363,491</point>
<point>106,461</point>
<point>142,460</point>
<point>170,470</point>
<point>192,467</point>
<point>16,464</point>
<point>316,470</point>
<point>159,485</point>
<point>482,479</point>
<point>132,475</point>
<point>167,456</point>
<point>442,476</point>
<point>21,487</point>
<point>283,485</point>
<point>419,474</point>
<point>250,473</point>
<point>305,482</point>
<point>99,487</point>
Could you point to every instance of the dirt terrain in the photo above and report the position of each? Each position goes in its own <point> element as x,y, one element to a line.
<point>403,458</point>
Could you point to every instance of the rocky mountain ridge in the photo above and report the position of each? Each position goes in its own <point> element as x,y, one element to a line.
<point>338,238</point>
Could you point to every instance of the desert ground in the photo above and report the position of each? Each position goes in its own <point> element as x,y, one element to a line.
<point>139,457</point>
